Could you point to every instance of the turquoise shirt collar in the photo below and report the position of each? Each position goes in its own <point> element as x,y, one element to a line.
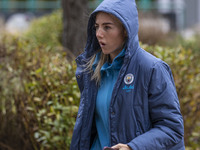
<point>116,64</point>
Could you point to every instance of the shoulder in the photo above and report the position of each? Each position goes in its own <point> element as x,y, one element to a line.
<point>144,61</point>
<point>145,66</point>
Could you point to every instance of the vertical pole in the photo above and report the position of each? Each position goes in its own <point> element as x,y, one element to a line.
<point>198,9</point>
<point>179,7</point>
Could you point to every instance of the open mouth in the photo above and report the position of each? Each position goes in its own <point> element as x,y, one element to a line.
<point>102,44</point>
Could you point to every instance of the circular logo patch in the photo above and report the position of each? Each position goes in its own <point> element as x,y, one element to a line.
<point>128,79</point>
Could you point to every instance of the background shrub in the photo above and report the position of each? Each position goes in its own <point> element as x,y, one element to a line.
<point>40,88</point>
<point>46,31</point>
<point>39,94</point>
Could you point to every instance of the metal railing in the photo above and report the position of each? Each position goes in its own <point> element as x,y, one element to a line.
<point>33,5</point>
<point>9,5</point>
<point>37,5</point>
<point>30,5</point>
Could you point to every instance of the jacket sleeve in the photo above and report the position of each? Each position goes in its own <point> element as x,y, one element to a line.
<point>167,123</point>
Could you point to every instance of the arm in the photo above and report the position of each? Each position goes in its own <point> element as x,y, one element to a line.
<point>164,110</point>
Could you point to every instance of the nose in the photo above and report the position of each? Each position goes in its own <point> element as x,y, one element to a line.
<point>99,33</point>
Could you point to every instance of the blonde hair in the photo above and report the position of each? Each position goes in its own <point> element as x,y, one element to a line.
<point>96,74</point>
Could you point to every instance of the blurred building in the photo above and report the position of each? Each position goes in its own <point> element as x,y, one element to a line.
<point>28,5</point>
<point>180,13</point>
<point>184,13</point>
<point>16,15</point>
<point>37,7</point>
<point>192,13</point>
<point>174,11</point>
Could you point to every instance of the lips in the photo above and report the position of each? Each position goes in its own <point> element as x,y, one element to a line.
<point>102,44</point>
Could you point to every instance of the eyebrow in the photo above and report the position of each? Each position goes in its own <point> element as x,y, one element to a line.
<point>106,23</point>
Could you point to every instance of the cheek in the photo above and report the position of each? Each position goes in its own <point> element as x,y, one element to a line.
<point>118,38</point>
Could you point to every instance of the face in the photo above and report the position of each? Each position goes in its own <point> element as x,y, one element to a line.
<point>110,34</point>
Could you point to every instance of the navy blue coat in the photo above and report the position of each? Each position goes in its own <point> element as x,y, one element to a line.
<point>144,109</point>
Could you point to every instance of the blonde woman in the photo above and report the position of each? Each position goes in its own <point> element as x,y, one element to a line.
<point>128,97</point>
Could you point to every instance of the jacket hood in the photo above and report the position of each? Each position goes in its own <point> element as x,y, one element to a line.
<point>126,12</point>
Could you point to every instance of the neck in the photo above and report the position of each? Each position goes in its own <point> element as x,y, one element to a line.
<point>115,53</point>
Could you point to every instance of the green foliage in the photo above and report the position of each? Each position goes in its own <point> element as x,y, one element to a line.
<point>42,89</point>
<point>52,96</point>
<point>38,87</point>
<point>192,43</point>
<point>46,31</point>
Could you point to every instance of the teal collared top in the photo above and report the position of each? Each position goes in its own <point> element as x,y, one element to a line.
<point>109,74</point>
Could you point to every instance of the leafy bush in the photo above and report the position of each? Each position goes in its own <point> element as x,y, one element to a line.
<point>42,88</point>
<point>46,31</point>
<point>192,44</point>
<point>38,88</point>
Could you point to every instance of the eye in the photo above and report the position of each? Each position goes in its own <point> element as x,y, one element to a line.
<point>107,27</point>
<point>96,27</point>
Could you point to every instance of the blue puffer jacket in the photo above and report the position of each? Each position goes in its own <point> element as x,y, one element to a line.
<point>144,108</point>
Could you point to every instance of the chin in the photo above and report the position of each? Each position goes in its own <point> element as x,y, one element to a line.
<point>105,52</point>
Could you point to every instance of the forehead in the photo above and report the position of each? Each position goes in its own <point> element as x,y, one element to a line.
<point>102,17</point>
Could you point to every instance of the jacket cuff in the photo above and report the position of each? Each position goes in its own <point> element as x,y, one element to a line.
<point>132,146</point>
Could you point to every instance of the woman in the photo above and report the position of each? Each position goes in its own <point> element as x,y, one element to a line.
<point>128,97</point>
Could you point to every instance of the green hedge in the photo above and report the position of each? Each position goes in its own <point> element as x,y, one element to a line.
<point>40,97</point>
<point>46,31</point>
<point>38,88</point>
<point>41,86</point>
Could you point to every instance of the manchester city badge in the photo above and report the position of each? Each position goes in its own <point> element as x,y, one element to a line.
<point>128,79</point>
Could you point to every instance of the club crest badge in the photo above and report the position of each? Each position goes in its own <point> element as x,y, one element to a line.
<point>128,79</point>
